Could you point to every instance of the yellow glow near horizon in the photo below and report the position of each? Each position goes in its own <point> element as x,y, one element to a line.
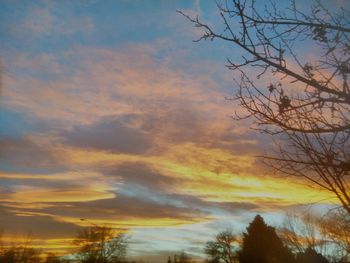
<point>207,173</point>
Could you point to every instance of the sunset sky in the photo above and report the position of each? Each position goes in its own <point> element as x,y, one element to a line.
<point>109,112</point>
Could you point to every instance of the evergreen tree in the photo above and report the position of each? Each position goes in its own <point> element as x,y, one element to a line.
<point>261,244</point>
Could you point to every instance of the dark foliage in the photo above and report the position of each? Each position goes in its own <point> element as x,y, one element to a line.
<point>261,244</point>
<point>310,256</point>
<point>20,254</point>
<point>100,244</point>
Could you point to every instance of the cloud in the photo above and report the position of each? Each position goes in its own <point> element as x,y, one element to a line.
<point>197,4</point>
<point>112,82</point>
<point>138,173</point>
<point>132,94</point>
<point>25,152</point>
<point>66,194</point>
<point>130,211</point>
<point>37,191</point>
<point>215,175</point>
<point>46,20</point>
<point>14,222</point>
<point>109,134</point>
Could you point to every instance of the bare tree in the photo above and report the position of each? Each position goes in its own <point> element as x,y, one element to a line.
<point>302,102</point>
<point>23,252</point>
<point>300,233</point>
<point>328,235</point>
<point>335,226</point>
<point>20,254</point>
<point>222,249</point>
<point>100,244</point>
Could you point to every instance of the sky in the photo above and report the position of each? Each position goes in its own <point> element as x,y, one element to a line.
<point>111,113</point>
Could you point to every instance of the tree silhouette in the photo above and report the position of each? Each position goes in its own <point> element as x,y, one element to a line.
<point>53,258</point>
<point>261,244</point>
<point>335,226</point>
<point>328,235</point>
<point>302,232</point>
<point>302,102</point>
<point>310,256</point>
<point>100,244</point>
<point>222,249</point>
<point>20,254</point>
<point>23,253</point>
<point>183,257</point>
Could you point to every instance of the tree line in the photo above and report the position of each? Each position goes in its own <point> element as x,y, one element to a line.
<point>300,239</point>
<point>306,239</point>
<point>94,244</point>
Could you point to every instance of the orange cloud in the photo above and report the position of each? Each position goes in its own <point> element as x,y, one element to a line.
<point>57,195</point>
<point>212,174</point>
